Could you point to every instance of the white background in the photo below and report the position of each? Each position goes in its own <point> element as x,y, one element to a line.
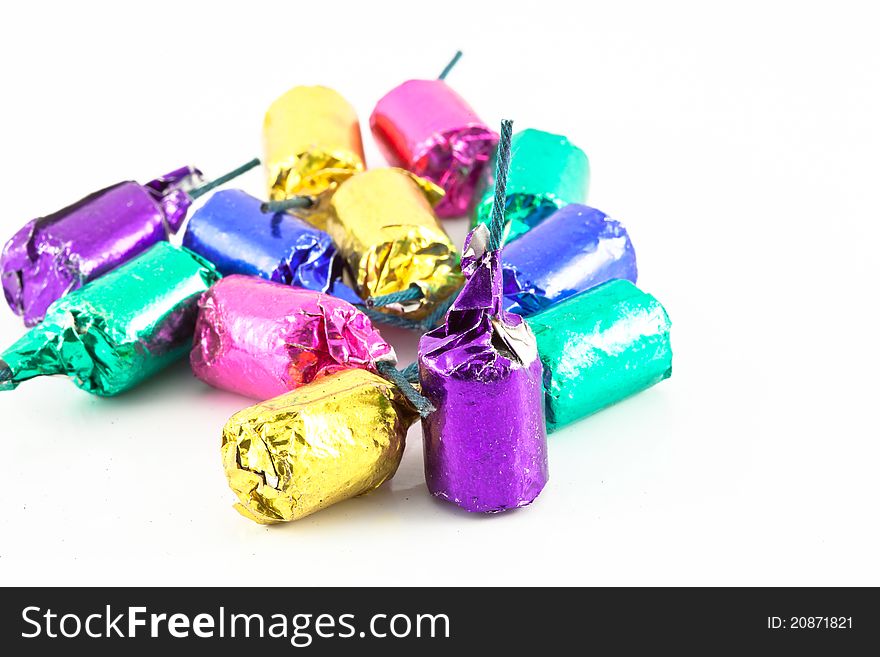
<point>738,144</point>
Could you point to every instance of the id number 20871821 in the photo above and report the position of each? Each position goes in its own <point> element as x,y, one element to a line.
<point>809,623</point>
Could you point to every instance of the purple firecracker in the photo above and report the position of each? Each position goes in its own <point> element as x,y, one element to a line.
<point>56,254</point>
<point>485,445</point>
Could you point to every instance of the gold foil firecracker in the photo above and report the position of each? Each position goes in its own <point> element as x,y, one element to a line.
<point>328,441</point>
<point>384,226</point>
<point>312,142</point>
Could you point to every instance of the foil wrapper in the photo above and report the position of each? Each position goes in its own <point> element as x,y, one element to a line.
<point>233,233</point>
<point>547,172</point>
<point>56,254</point>
<point>118,330</point>
<point>384,227</point>
<point>261,339</point>
<point>338,437</point>
<point>599,347</point>
<point>573,250</point>
<point>426,127</point>
<point>312,142</point>
<point>486,444</point>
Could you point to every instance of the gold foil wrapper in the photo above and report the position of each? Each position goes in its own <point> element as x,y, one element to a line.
<point>328,441</point>
<point>312,142</point>
<point>383,224</point>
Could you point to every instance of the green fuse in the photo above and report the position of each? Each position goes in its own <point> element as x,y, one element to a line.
<point>547,172</point>
<point>118,330</point>
<point>598,348</point>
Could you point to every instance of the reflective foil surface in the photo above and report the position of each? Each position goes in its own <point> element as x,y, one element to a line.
<point>323,443</point>
<point>233,233</point>
<point>574,249</point>
<point>547,172</point>
<point>56,254</point>
<point>312,142</point>
<point>118,330</point>
<point>599,347</point>
<point>426,127</point>
<point>261,339</point>
<point>171,192</point>
<point>486,444</point>
<point>384,227</point>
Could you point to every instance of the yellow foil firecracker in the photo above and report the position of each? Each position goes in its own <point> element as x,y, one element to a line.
<point>312,142</point>
<point>323,443</point>
<point>384,226</point>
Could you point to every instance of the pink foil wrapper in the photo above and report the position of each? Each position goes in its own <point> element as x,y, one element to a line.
<point>261,339</point>
<point>426,127</point>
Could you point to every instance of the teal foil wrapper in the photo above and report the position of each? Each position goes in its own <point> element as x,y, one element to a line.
<point>598,348</point>
<point>118,330</point>
<point>547,172</point>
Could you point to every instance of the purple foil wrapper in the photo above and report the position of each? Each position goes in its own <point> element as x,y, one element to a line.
<point>486,444</point>
<point>261,339</point>
<point>56,254</point>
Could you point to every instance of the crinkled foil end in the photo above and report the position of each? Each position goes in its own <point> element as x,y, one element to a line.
<point>311,173</point>
<point>455,161</point>
<point>71,348</point>
<point>384,226</point>
<point>413,255</point>
<point>119,329</point>
<point>261,339</point>
<point>171,193</point>
<point>36,272</point>
<point>479,340</point>
<point>311,263</point>
<point>326,442</point>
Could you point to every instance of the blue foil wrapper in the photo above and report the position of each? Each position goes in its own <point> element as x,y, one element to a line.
<point>573,250</point>
<point>232,232</point>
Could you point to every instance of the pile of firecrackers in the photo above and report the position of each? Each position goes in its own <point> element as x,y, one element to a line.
<point>534,324</point>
